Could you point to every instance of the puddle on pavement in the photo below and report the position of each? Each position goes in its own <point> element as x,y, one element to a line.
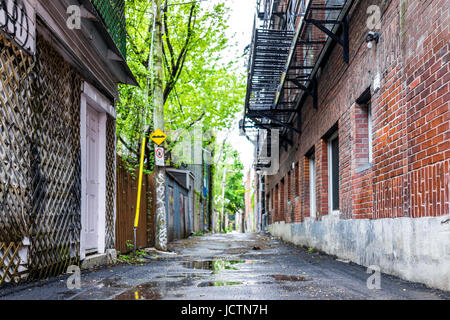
<point>215,265</point>
<point>281,277</point>
<point>147,291</point>
<point>111,283</point>
<point>95,289</point>
<point>219,284</point>
<point>155,290</point>
<point>180,276</point>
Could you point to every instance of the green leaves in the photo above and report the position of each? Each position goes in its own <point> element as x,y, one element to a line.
<point>209,87</point>
<point>203,85</point>
<point>234,182</point>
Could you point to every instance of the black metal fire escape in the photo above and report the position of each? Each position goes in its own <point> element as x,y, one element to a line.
<point>286,53</point>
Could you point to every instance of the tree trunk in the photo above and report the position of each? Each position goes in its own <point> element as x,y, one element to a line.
<point>158,121</point>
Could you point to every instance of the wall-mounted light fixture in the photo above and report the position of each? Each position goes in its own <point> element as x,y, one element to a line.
<point>372,36</point>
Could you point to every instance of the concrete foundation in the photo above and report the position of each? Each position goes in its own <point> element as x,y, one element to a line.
<point>95,260</point>
<point>100,259</point>
<point>414,249</point>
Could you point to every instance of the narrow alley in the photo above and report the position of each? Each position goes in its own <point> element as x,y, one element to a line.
<point>228,267</point>
<point>224,150</point>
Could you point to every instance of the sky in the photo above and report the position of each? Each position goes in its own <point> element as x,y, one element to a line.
<point>241,25</point>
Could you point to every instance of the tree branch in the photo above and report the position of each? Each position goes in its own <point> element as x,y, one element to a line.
<point>127,146</point>
<point>199,118</point>
<point>169,44</point>
<point>178,67</point>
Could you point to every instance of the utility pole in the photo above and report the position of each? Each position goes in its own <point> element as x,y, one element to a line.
<point>158,121</point>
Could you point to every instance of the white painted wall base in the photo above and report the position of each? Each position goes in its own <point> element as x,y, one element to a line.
<point>417,249</point>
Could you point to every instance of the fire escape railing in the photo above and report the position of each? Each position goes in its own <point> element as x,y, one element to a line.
<point>281,76</point>
<point>270,50</point>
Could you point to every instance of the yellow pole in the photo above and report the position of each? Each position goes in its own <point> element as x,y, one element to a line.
<point>141,172</point>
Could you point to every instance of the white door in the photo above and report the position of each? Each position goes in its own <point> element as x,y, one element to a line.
<point>90,223</point>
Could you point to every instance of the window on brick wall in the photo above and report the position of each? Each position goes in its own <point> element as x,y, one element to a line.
<point>333,173</point>
<point>289,188</point>
<point>363,148</point>
<point>370,129</point>
<point>272,199</point>
<point>312,185</point>
<point>277,202</point>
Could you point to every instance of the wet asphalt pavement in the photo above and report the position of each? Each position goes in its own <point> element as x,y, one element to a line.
<point>227,267</point>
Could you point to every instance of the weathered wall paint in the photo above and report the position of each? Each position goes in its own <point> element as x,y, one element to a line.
<point>414,249</point>
<point>178,225</point>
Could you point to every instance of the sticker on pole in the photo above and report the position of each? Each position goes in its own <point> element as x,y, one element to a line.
<point>159,156</point>
<point>158,137</point>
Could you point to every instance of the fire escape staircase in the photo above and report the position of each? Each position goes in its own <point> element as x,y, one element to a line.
<point>284,63</point>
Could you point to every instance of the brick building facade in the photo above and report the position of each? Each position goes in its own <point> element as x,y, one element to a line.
<point>367,174</point>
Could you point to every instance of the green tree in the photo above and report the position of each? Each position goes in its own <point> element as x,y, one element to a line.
<point>229,182</point>
<point>201,87</point>
<point>235,190</point>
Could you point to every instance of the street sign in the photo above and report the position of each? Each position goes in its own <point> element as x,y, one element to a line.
<point>158,137</point>
<point>159,157</point>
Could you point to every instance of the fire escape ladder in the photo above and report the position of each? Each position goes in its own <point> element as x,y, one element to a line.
<point>289,45</point>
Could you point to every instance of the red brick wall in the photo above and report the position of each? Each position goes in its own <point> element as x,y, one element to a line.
<point>411,116</point>
<point>297,192</point>
<point>289,203</point>
<point>322,174</point>
<point>360,145</point>
<point>306,189</point>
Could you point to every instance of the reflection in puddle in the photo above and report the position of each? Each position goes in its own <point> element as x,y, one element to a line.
<point>215,265</point>
<point>280,277</point>
<point>111,283</point>
<point>154,290</point>
<point>148,291</point>
<point>99,290</point>
<point>218,284</point>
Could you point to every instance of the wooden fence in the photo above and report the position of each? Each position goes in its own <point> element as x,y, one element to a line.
<point>127,183</point>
